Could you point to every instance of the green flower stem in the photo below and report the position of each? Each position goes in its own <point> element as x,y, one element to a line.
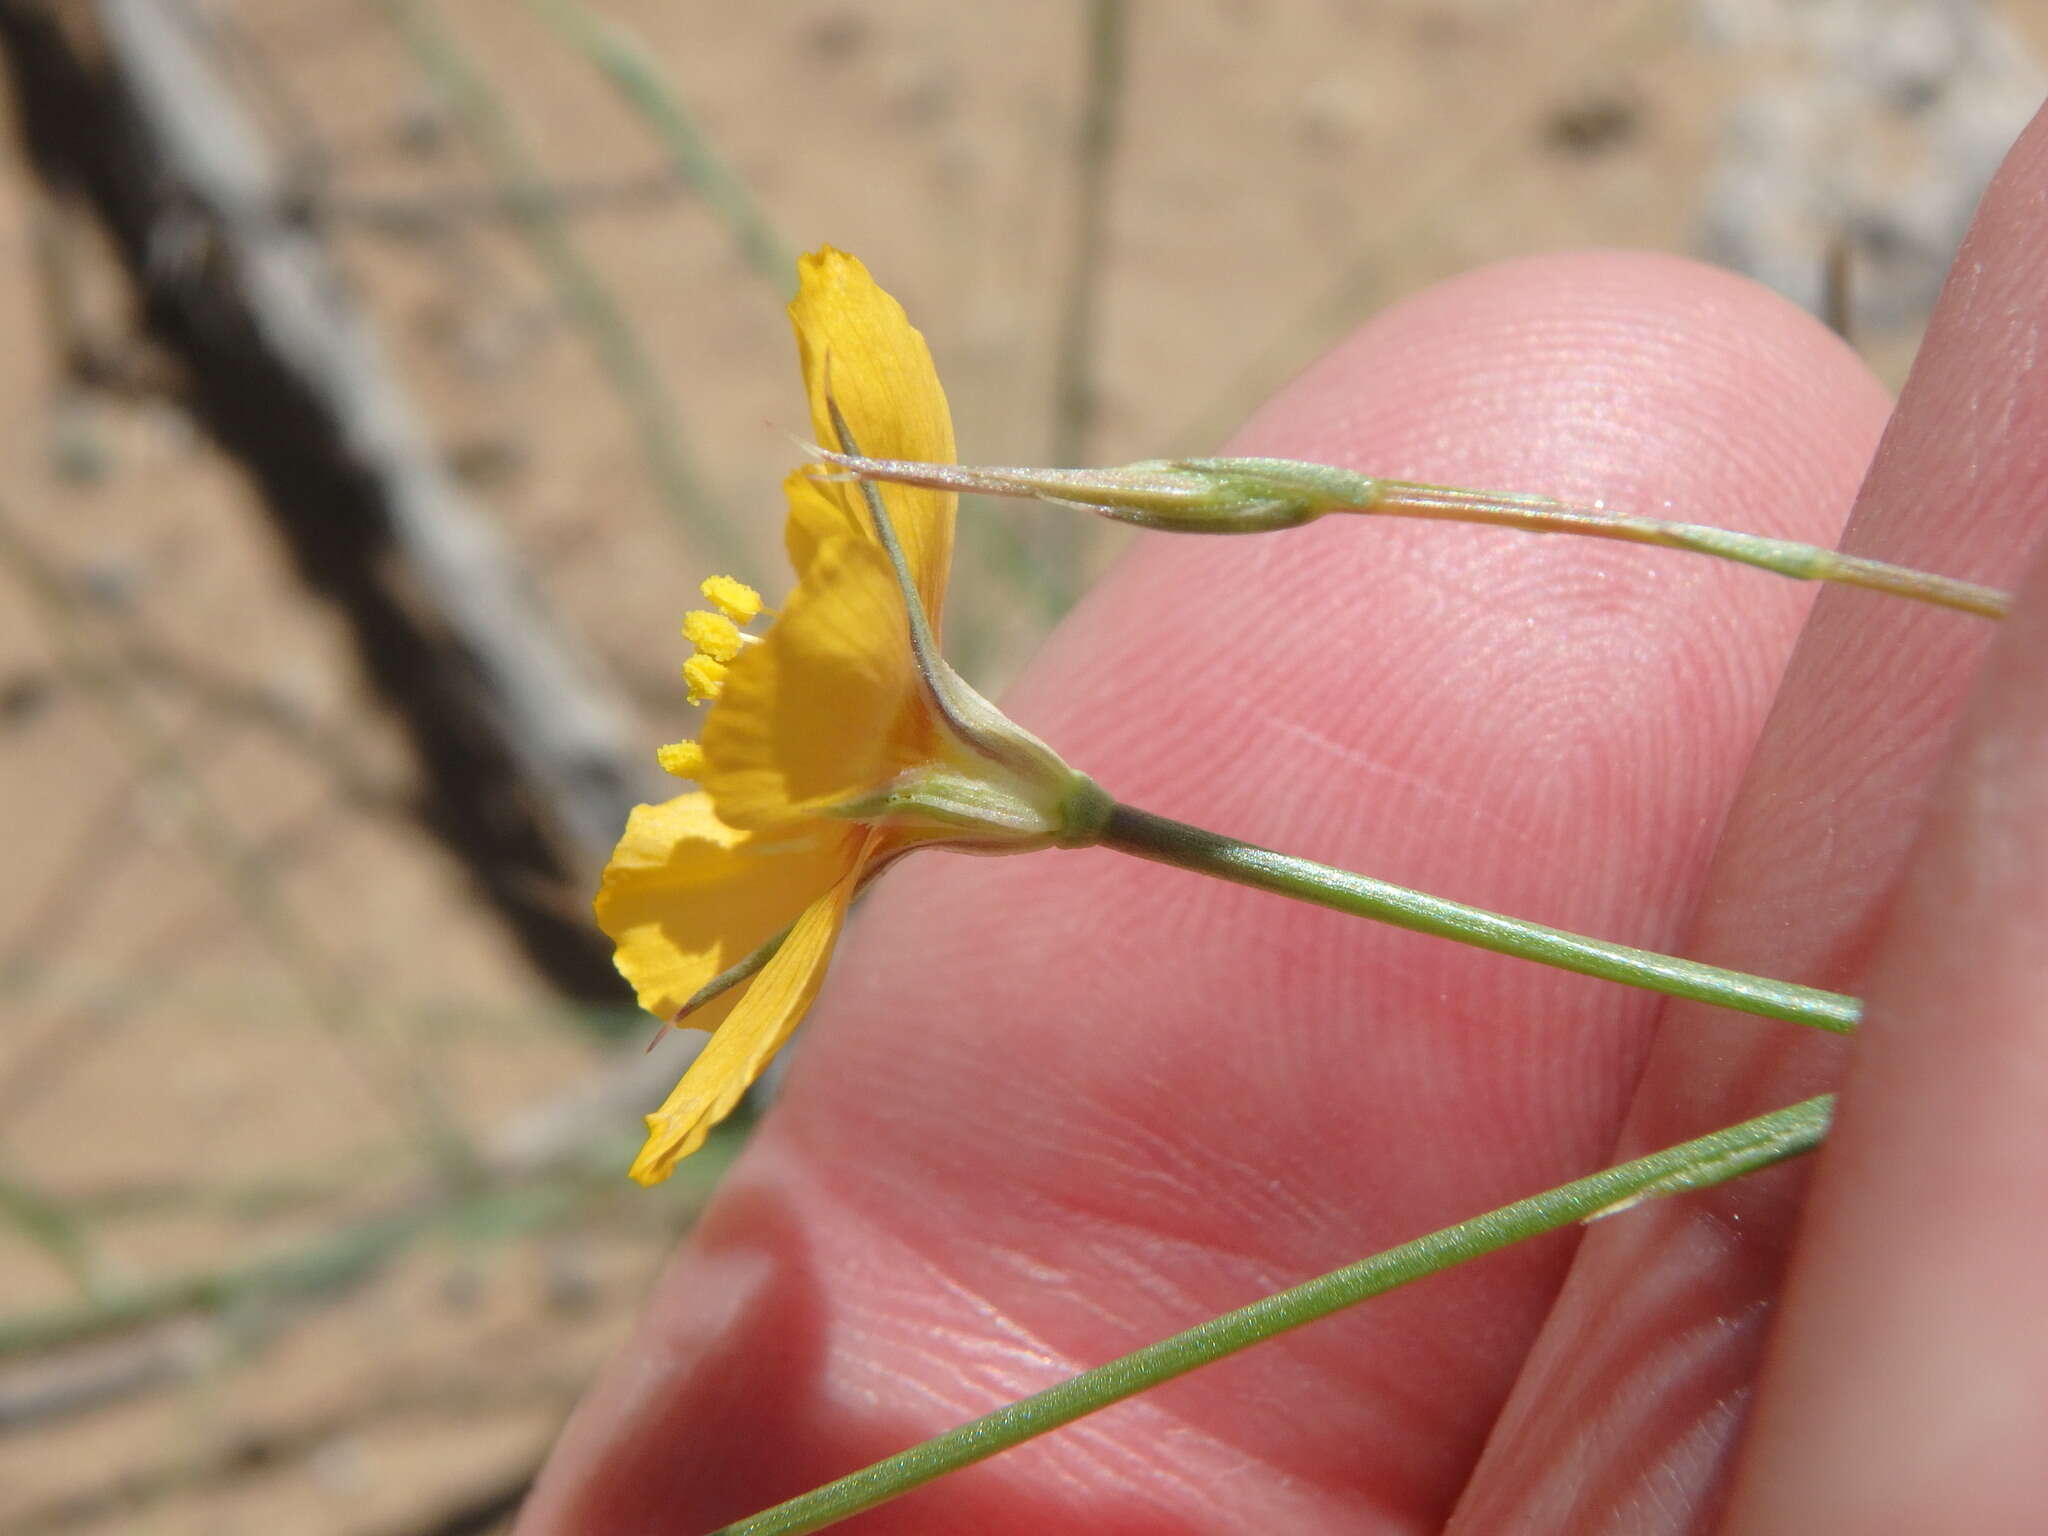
<point>1130,830</point>
<point>1264,495</point>
<point>1712,1159</point>
<point>1785,557</point>
<point>641,82</point>
<point>614,338</point>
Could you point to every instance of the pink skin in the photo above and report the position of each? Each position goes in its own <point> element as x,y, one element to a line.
<point>1052,1108</point>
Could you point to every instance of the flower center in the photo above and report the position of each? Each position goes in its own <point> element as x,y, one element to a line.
<point>718,637</point>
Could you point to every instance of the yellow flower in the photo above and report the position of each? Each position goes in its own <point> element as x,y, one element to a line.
<point>838,740</point>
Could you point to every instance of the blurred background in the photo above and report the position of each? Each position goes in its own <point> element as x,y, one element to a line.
<point>378,381</point>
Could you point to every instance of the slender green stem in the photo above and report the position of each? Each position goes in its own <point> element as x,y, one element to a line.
<point>489,1208</point>
<point>627,63</point>
<point>55,1226</point>
<point>614,338</point>
<point>924,645</point>
<point>1713,1159</point>
<point>744,969</point>
<point>365,1040</point>
<point>1055,555</point>
<point>1094,150</point>
<point>1264,495</point>
<point>1785,557</point>
<point>1130,830</point>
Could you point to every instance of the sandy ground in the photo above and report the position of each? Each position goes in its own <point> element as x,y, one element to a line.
<point>186,746</point>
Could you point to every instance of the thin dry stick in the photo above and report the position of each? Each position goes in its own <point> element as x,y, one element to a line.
<point>512,1382</point>
<point>525,768</point>
<point>215,840</point>
<point>334,751</point>
<point>533,1195</point>
<point>1412,206</point>
<point>1051,561</point>
<point>1094,152</point>
<point>683,487</point>
<point>1045,570</point>
<point>330,1263</point>
<point>53,1226</point>
<point>57,916</point>
<point>447,210</point>
<point>38,1064</point>
<point>626,62</point>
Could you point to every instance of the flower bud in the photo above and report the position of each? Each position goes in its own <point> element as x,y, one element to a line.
<point>1171,495</point>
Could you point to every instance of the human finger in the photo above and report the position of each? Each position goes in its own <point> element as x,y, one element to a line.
<point>1633,1400</point>
<point>1057,1107</point>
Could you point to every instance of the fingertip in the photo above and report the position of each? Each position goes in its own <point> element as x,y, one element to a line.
<point>1903,1382</point>
<point>1662,1328</point>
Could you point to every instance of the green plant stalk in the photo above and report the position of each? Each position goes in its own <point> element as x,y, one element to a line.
<point>1130,830</point>
<point>56,1228</point>
<point>679,481</point>
<point>1784,557</point>
<point>487,1209</point>
<point>625,61</point>
<point>1264,495</point>
<point>364,1042</point>
<point>1094,150</point>
<point>1133,831</point>
<point>1712,1159</point>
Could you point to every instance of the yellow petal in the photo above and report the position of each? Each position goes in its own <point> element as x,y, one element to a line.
<point>827,707</point>
<point>817,516</point>
<point>685,896</point>
<point>747,1041</point>
<point>855,337</point>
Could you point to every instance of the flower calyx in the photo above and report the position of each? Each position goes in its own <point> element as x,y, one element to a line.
<point>938,805</point>
<point>993,784</point>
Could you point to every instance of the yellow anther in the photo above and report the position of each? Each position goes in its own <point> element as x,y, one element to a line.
<point>713,634</point>
<point>684,759</point>
<point>735,599</point>
<point>705,677</point>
